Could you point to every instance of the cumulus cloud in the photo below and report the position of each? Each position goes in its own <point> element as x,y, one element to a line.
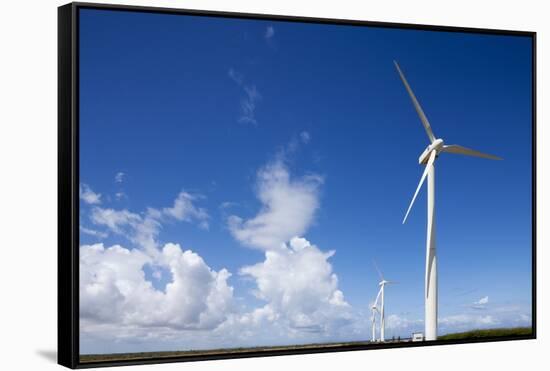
<point>295,283</point>
<point>114,291</point>
<point>119,303</point>
<point>295,280</point>
<point>89,196</point>
<point>298,285</point>
<point>249,100</point>
<point>288,207</point>
<point>108,278</point>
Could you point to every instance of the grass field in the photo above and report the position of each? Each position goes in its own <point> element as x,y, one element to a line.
<point>474,334</point>
<point>489,333</point>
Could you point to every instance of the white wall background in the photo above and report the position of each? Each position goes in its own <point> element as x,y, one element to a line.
<point>28,181</point>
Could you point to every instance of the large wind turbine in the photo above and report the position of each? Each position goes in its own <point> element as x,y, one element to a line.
<point>383,282</point>
<point>427,158</point>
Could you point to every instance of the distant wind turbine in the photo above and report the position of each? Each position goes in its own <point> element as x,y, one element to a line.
<point>427,158</point>
<point>383,282</point>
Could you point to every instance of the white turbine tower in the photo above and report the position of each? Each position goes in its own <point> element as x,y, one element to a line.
<point>383,282</point>
<point>427,158</point>
<point>374,309</point>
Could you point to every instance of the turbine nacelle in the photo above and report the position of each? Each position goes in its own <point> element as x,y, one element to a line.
<point>436,145</point>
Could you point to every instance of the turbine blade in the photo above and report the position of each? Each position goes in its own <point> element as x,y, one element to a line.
<point>378,270</point>
<point>430,162</point>
<point>454,148</point>
<point>419,110</point>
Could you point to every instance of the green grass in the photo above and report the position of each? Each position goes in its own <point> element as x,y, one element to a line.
<point>489,333</point>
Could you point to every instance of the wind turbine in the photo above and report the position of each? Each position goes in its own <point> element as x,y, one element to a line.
<point>427,158</point>
<point>383,282</point>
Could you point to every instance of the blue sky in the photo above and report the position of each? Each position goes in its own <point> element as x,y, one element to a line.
<point>217,112</point>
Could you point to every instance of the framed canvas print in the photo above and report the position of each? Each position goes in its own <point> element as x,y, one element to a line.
<point>238,185</point>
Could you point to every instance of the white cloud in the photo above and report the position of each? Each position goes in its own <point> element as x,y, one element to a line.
<point>249,100</point>
<point>481,303</point>
<point>288,208</point>
<point>109,279</point>
<point>184,210</point>
<point>248,104</point>
<point>146,231</point>
<point>466,321</point>
<point>296,283</point>
<point>483,300</point>
<point>269,32</point>
<point>93,232</point>
<point>89,196</point>
<point>119,177</point>
<point>399,323</point>
<point>114,291</point>
<point>120,307</point>
<point>295,280</point>
<point>143,229</point>
<point>115,220</point>
<point>299,286</point>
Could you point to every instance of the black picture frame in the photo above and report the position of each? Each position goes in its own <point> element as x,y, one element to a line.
<point>68,183</point>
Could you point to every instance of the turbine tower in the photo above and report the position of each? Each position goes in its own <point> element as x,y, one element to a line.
<point>427,158</point>
<point>374,309</point>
